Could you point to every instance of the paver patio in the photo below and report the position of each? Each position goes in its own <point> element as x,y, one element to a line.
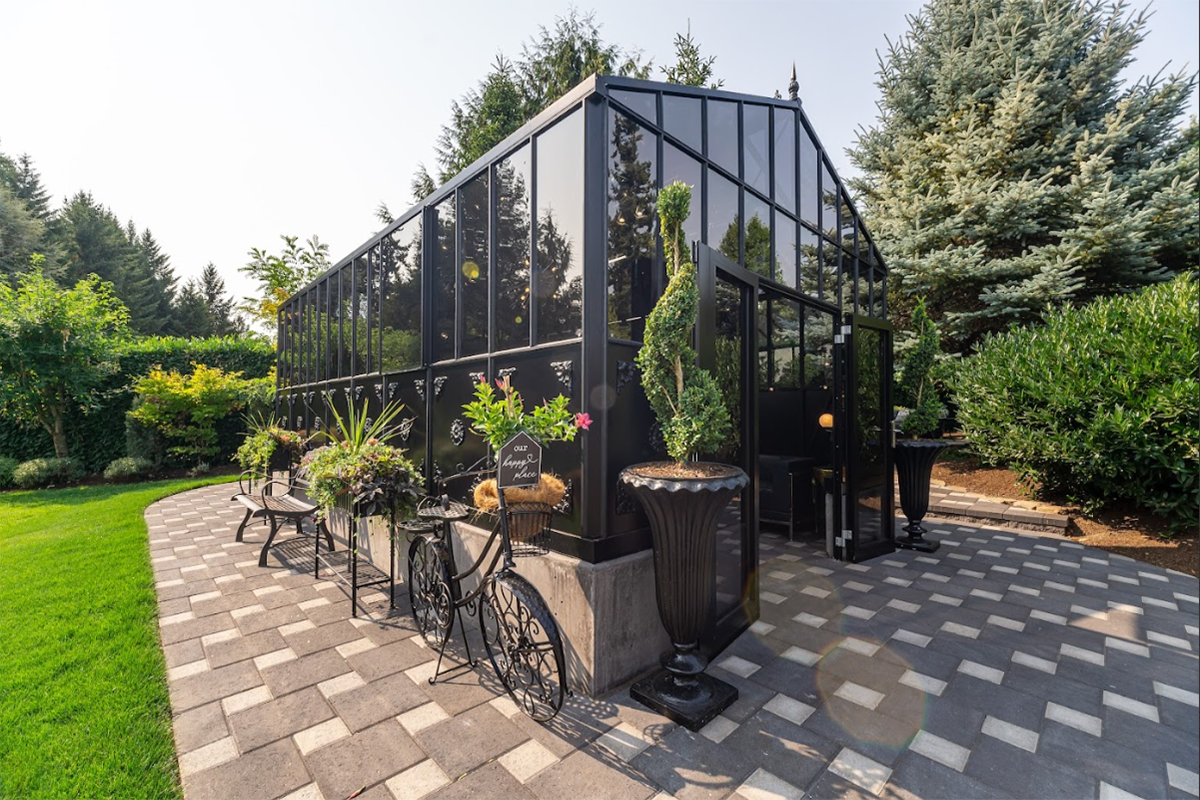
<point>1004,665</point>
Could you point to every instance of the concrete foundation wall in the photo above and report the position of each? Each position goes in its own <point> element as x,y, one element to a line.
<point>607,613</point>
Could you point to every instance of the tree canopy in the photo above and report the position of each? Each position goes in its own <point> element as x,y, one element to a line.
<point>1011,169</point>
<point>552,62</point>
<point>280,276</point>
<point>57,347</point>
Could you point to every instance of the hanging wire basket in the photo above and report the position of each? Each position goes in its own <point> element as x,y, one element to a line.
<point>529,528</point>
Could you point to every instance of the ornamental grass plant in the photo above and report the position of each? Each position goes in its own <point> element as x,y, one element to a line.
<point>359,467</point>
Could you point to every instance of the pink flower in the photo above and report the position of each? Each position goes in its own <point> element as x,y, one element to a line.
<point>500,383</point>
<point>583,421</point>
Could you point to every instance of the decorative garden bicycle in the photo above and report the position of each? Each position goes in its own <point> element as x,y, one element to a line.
<point>520,634</point>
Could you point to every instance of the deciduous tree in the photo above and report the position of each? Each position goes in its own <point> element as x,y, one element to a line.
<point>57,347</point>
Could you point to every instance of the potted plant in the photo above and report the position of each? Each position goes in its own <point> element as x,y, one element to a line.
<point>682,497</point>
<point>269,447</point>
<point>358,467</point>
<point>498,418</point>
<point>915,456</point>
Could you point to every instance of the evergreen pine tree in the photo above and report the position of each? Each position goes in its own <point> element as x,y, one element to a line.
<point>191,315</point>
<point>1010,170</point>
<point>221,306</point>
<point>691,68</point>
<point>28,187</point>
<point>21,234</point>
<point>552,63</point>
<point>93,241</point>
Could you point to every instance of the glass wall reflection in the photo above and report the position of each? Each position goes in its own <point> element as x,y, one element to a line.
<point>632,224</point>
<point>559,278</point>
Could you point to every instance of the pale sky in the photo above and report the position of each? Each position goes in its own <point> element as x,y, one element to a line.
<point>222,125</point>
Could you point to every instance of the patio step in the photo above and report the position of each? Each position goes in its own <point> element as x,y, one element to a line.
<point>955,502</point>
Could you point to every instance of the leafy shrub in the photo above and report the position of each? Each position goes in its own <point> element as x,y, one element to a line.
<point>7,466</point>
<point>188,408</point>
<point>45,471</point>
<point>95,440</point>
<point>1099,403</point>
<point>128,468</point>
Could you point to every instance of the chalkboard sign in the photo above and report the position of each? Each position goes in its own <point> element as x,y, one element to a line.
<point>519,462</point>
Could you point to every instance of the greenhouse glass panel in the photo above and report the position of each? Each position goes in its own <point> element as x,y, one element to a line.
<point>810,193</point>
<point>559,279</point>
<point>444,279</point>
<point>473,264</point>
<point>632,171</point>
<point>724,225</point>
<point>785,158</point>
<point>682,118</point>
<point>642,103</point>
<point>723,146</point>
<point>401,311</point>
<point>512,250</point>
<point>758,235</point>
<point>756,138</point>
<point>785,249</point>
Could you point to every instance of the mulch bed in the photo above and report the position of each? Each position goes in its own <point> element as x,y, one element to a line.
<point>1119,528</point>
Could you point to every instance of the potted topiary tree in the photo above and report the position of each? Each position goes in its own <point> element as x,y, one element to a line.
<point>915,456</point>
<point>682,497</point>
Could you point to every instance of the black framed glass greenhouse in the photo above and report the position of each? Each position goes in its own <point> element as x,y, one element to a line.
<point>541,261</point>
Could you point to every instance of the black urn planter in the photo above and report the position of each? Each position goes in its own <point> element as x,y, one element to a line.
<point>914,465</point>
<point>683,521</point>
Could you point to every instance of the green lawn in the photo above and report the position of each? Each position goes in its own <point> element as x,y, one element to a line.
<point>84,710</point>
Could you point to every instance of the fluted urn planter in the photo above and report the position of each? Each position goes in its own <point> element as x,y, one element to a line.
<point>683,516</point>
<point>914,466</point>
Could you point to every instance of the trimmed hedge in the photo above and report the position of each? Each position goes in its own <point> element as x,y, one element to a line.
<point>1100,403</point>
<point>95,439</point>
<point>7,467</point>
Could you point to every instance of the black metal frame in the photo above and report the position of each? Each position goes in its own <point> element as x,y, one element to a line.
<point>594,370</point>
<point>712,267</point>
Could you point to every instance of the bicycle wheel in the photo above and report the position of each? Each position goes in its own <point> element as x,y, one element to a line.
<point>429,589</point>
<point>524,645</point>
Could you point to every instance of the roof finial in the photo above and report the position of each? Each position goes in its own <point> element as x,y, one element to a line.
<point>794,85</point>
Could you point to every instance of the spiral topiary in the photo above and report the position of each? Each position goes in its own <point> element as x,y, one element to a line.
<point>684,397</point>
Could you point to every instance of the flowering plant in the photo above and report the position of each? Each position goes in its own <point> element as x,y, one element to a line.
<point>498,418</point>
<point>358,466</point>
<point>263,440</point>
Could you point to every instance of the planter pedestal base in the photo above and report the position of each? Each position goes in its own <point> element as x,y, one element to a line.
<point>914,465</point>
<point>692,706</point>
<point>683,515</point>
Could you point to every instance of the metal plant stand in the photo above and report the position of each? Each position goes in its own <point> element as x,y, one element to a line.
<point>346,567</point>
<point>914,465</point>
<point>683,518</point>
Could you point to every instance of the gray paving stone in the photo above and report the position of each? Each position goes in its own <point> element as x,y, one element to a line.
<point>918,778</point>
<point>1103,759</point>
<point>279,718</point>
<point>268,772</point>
<point>989,580</point>
<point>1022,774</point>
<point>469,739</point>
<point>385,697</point>
<point>364,759</point>
<point>591,773</point>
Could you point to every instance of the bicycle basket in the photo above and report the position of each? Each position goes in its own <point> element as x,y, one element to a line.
<point>529,528</point>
